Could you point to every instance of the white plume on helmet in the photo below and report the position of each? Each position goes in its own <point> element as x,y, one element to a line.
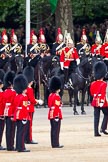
<point>98,38</point>
<point>106,36</point>
<point>69,39</point>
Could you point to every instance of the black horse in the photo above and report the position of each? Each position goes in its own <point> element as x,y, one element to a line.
<point>79,81</point>
<point>19,60</point>
<point>42,73</point>
<point>12,63</point>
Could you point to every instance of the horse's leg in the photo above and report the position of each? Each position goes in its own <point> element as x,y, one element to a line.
<point>88,96</point>
<point>61,93</point>
<point>75,101</point>
<point>46,93</point>
<point>82,102</point>
<point>70,92</point>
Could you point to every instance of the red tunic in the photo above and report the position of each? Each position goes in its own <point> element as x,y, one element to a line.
<point>21,105</point>
<point>104,50</point>
<point>9,96</point>
<point>95,49</point>
<point>54,104</point>
<point>2,104</point>
<point>95,88</point>
<point>68,55</point>
<point>31,99</point>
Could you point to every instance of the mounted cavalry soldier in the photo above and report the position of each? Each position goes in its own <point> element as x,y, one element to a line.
<point>16,52</point>
<point>69,59</point>
<point>4,49</point>
<point>44,48</point>
<point>83,47</point>
<point>33,50</point>
<point>16,48</point>
<point>59,44</point>
<point>96,48</point>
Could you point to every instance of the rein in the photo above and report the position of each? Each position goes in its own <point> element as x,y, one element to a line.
<point>79,72</point>
<point>44,75</point>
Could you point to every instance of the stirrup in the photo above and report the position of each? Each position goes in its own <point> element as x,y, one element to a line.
<point>66,86</point>
<point>70,84</point>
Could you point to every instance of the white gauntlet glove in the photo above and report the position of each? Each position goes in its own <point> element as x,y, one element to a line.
<point>78,61</point>
<point>61,65</point>
<point>101,104</point>
<point>56,119</point>
<point>40,102</point>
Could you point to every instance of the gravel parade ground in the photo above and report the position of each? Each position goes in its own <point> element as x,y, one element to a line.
<point>76,135</point>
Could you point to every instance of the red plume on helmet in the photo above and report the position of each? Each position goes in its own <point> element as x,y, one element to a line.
<point>84,37</point>
<point>13,36</point>
<point>4,36</point>
<point>59,35</point>
<point>41,36</point>
<point>32,36</point>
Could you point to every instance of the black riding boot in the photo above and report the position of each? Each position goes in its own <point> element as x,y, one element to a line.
<point>66,73</point>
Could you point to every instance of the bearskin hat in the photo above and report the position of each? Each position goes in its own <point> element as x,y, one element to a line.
<point>29,73</point>
<point>55,84</point>
<point>8,78</point>
<point>20,83</point>
<point>2,73</point>
<point>100,70</point>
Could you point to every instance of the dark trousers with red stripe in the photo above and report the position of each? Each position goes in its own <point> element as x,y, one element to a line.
<point>20,135</point>
<point>97,118</point>
<point>2,123</point>
<point>55,131</point>
<point>10,133</point>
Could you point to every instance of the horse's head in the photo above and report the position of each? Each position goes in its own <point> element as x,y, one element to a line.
<point>55,61</point>
<point>19,59</point>
<point>86,65</point>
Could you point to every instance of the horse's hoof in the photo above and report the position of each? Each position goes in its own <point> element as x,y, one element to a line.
<point>83,113</point>
<point>37,106</point>
<point>70,104</point>
<point>76,113</point>
<point>78,104</point>
<point>45,106</point>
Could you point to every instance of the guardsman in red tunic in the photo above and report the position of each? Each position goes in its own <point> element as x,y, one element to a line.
<point>69,57</point>
<point>55,112</point>
<point>98,90</point>
<point>21,115</point>
<point>9,96</point>
<point>2,106</point>
<point>96,48</point>
<point>29,74</point>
